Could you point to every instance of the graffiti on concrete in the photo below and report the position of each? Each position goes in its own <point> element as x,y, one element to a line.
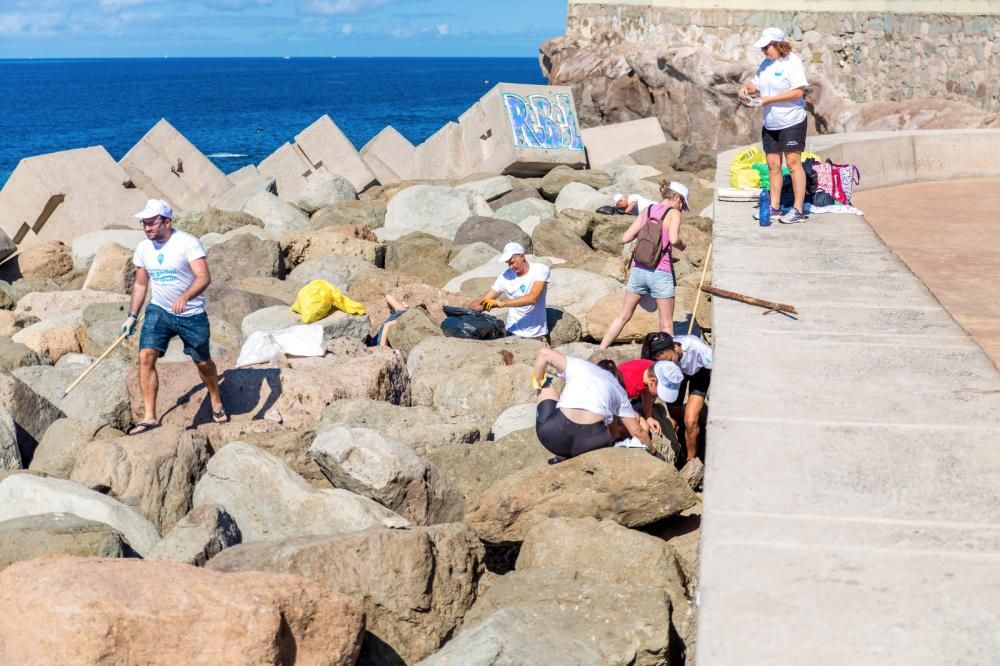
<point>539,121</point>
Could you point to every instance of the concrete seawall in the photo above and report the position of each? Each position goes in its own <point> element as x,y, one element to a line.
<point>851,513</point>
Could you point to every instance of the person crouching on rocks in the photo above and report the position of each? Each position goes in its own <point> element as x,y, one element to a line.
<point>524,286</point>
<point>656,280</point>
<point>639,381</point>
<point>582,417</point>
<point>683,363</point>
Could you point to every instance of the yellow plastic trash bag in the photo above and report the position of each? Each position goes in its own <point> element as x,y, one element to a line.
<point>315,301</point>
<point>746,157</point>
<point>806,155</point>
<point>746,178</point>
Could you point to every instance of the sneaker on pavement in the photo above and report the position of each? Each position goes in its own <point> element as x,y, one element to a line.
<point>793,216</point>
<point>775,212</point>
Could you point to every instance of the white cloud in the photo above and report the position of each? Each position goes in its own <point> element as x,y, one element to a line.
<point>340,7</point>
<point>442,29</point>
<point>346,29</point>
<point>115,5</point>
<point>34,25</point>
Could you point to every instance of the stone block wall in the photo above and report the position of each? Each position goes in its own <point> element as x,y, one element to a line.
<point>914,50</point>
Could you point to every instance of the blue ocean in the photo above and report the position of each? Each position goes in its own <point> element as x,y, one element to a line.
<point>235,110</point>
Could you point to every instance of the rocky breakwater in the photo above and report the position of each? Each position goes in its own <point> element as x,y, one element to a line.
<point>371,505</point>
<point>867,70</point>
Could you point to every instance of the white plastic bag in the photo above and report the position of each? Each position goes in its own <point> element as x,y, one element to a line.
<point>261,346</point>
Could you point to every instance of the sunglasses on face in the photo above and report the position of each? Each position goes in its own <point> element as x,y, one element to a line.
<point>153,222</point>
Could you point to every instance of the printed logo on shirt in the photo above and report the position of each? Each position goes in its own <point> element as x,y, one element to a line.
<point>523,288</point>
<point>777,74</point>
<point>163,274</point>
<point>159,258</point>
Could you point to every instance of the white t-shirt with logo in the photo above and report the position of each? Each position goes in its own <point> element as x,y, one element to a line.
<point>774,77</point>
<point>169,268</point>
<point>527,321</point>
<point>695,354</point>
<point>595,390</point>
<point>641,202</point>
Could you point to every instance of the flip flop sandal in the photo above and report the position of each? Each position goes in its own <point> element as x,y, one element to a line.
<point>142,427</point>
<point>220,416</point>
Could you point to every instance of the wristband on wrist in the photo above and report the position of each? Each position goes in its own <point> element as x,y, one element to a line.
<point>134,315</point>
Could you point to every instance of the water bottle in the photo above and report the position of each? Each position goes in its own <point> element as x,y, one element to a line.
<point>764,208</point>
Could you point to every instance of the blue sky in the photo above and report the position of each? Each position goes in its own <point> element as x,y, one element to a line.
<point>196,28</point>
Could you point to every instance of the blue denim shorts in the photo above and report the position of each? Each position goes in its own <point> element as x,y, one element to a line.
<point>160,326</point>
<point>649,282</point>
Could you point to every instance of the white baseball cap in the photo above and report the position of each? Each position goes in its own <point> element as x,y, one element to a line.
<point>682,190</point>
<point>769,35</point>
<point>668,380</point>
<point>509,250</point>
<point>154,208</point>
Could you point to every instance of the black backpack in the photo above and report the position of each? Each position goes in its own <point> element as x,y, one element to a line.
<point>649,247</point>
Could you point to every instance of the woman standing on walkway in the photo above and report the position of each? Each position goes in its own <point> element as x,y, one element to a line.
<point>656,281</point>
<point>781,82</point>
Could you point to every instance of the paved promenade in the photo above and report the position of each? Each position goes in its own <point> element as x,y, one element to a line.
<point>852,506</point>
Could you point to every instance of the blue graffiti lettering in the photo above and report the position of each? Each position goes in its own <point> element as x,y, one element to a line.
<point>541,122</point>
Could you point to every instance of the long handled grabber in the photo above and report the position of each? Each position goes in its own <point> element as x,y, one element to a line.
<point>98,360</point>
<point>697,298</point>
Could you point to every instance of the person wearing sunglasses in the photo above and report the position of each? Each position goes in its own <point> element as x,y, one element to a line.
<point>781,83</point>
<point>173,264</point>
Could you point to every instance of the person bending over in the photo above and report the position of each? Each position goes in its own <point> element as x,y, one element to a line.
<point>580,419</point>
<point>639,381</point>
<point>683,362</point>
<point>523,285</point>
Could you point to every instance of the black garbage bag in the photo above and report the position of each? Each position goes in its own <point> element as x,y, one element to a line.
<point>466,323</point>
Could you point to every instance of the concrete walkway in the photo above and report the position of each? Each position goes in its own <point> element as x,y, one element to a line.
<point>949,235</point>
<point>852,505</point>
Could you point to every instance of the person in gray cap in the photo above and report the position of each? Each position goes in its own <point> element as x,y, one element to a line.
<point>524,286</point>
<point>173,262</point>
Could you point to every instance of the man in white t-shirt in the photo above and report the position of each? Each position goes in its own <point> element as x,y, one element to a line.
<point>173,263</point>
<point>632,204</point>
<point>523,285</point>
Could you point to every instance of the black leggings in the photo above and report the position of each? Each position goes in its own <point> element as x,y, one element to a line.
<point>563,437</point>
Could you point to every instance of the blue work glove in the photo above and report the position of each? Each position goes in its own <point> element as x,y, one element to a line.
<point>128,328</point>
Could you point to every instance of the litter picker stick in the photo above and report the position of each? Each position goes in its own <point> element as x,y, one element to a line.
<point>750,300</point>
<point>697,299</point>
<point>98,360</point>
<point>9,257</point>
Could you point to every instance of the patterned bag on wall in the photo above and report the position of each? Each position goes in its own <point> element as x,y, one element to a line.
<point>837,180</point>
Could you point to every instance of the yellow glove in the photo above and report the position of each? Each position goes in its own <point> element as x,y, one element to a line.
<point>490,303</point>
<point>539,384</point>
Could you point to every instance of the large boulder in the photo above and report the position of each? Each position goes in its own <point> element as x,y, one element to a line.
<point>432,209</point>
<point>519,211</point>
<point>474,468</point>
<point>492,231</point>
<point>277,215</point>
<point>419,427</point>
<point>198,537</point>
<point>324,190</point>
<point>339,270</point>
<point>388,471</point>
<point>44,534</point>
<point>337,324</point>
<point>603,550</point>
<point>292,446</point>
<point>155,472</point>
<point>12,322</point>
<point>54,337</point>
<point>47,259</point>
<point>607,231</point>
<point>412,327</point>
<point>32,413</point>
<point>554,238</point>
<point>131,611</point>
<point>212,220</point>
<point>645,319</point>
<point>51,304</point>
<point>245,256</point>
<point>233,305</point>
<point>283,290</point>
<point>518,417</point>
<point>85,247</point>
<point>415,584</point>
<point>301,246</point>
<point>27,495</point>
<point>576,291</point>
<point>628,486</point>
<point>16,355</point>
<point>488,188</point>
<point>111,270</point>
<point>62,442</point>
<point>556,180</point>
<point>10,454</point>
<point>564,328</point>
<point>499,369</point>
<point>472,256</point>
<point>516,636</point>
<point>269,501</point>
<point>626,624</point>
<point>366,212</point>
<point>421,255</point>
<point>295,394</point>
<point>101,396</point>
